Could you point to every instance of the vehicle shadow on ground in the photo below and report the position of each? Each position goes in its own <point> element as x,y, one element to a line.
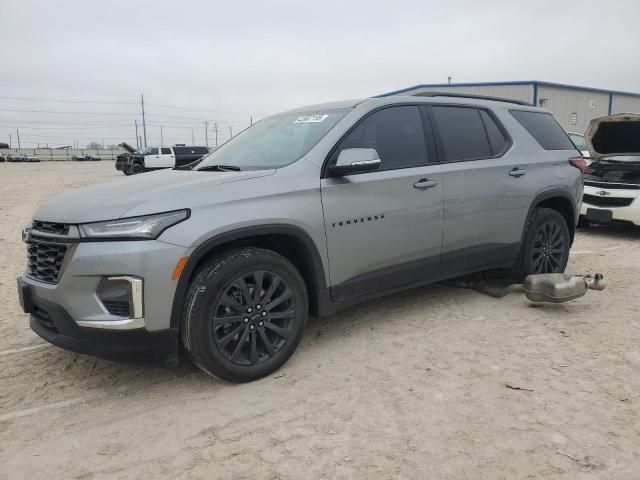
<point>614,230</point>
<point>105,377</point>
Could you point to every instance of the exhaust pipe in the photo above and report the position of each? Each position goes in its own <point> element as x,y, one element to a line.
<point>560,287</point>
<point>544,287</point>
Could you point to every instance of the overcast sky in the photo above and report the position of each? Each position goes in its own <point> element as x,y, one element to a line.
<point>226,61</point>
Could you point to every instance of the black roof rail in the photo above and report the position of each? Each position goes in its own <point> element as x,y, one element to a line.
<point>469,95</point>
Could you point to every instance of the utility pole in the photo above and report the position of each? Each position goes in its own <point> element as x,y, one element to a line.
<point>206,133</point>
<point>215,127</point>
<point>230,132</point>
<point>137,145</point>
<point>161,137</point>
<point>144,123</point>
<point>10,141</point>
<point>193,142</point>
<point>18,134</point>
<point>251,120</point>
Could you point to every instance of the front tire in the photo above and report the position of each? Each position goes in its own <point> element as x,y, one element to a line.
<point>244,315</point>
<point>546,244</point>
<point>136,168</point>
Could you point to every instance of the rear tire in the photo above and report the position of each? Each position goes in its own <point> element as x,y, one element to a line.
<point>545,248</point>
<point>126,171</point>
<point>244,314</point>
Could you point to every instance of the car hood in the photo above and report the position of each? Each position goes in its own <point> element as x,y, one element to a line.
<point>127,147</point>
<point>612,135</point>
<point>110,200</point>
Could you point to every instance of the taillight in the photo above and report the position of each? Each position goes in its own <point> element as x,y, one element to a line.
<point>580,163</point>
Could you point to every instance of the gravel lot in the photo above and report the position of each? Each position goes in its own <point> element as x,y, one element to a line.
<point>410,386</point>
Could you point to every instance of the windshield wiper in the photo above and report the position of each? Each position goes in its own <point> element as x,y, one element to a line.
<point>219,168</point>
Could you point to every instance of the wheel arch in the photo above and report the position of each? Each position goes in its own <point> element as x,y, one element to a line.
<point>559,200</point>
<point>290,241</point>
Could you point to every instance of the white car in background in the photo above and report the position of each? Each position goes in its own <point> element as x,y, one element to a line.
<point>581,144</point>
<point>612,181</point>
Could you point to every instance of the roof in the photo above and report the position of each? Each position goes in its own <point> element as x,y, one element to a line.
<point>500,84</point>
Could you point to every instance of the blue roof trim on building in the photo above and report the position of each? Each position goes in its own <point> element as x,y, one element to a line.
<point>502,84</point>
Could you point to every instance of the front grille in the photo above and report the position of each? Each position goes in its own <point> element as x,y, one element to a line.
<point>620,186</point>
<point>607,201</point>
<point>118,308</point>
<point>44,259</point>
<point>49,227</point>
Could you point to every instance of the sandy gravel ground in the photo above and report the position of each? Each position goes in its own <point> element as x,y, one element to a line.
<point>411,386</point>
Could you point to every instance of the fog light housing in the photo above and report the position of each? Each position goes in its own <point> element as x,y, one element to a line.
<point>122,296</point>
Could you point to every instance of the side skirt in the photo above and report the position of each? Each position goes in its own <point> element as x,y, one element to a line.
<point>414,274</point>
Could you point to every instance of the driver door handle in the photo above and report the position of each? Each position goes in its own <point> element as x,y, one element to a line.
<point>517,172</point>
<point>424,183</point>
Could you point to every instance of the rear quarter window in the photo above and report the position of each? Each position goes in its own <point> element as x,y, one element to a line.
<point>544,129</point>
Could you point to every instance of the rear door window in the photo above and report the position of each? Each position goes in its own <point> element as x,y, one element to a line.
<point>462,133</point>
<point>544,128</point>
<point>166,151</point>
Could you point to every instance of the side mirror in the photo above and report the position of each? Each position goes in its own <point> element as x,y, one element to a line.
<point>355,160</point>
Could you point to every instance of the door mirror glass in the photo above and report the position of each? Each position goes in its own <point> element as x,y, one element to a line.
<point>356,160</point>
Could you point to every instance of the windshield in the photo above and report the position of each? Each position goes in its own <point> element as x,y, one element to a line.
<point>145,150</point>
<point>275,141</point>
<point>579,141</point>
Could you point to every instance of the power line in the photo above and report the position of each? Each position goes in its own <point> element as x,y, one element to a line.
<point>96,102</point>
<point>176,107</point>
<point>65,112</point>
<point>97,127</point>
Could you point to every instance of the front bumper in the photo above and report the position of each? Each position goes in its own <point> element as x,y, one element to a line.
<point>54,324</point>
<point>70,314</point>
<point>627,214</point>
<point>120,166</point>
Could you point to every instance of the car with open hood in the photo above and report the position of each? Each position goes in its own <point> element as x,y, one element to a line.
<point>612,180</point>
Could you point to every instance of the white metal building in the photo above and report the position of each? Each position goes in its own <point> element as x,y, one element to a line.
<point>573,106</point>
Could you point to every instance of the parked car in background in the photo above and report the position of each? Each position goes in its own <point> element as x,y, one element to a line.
<point>31,158</point>
<point>612,181</point>
<point>306,212</point>
<point>16,158</point>
<point>85,158</point>
<point>580,143</point>
<point>155,158</point>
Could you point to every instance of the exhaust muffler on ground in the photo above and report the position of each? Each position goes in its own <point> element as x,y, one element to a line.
<point>544,287</point>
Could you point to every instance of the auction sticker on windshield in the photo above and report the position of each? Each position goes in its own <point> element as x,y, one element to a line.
<point>310,119</point>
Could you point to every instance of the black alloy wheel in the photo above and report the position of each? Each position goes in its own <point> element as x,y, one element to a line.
<point>244,314</point>
<point>549,249</point>
<point>545,244</point>
<point>254,318</point>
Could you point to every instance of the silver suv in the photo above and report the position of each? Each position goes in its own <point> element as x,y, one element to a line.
<point>305,213</point>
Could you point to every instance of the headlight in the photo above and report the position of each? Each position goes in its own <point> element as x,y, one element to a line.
<point>148,227</point>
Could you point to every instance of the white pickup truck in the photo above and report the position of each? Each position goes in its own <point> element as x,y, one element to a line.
<point>153,158</point>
